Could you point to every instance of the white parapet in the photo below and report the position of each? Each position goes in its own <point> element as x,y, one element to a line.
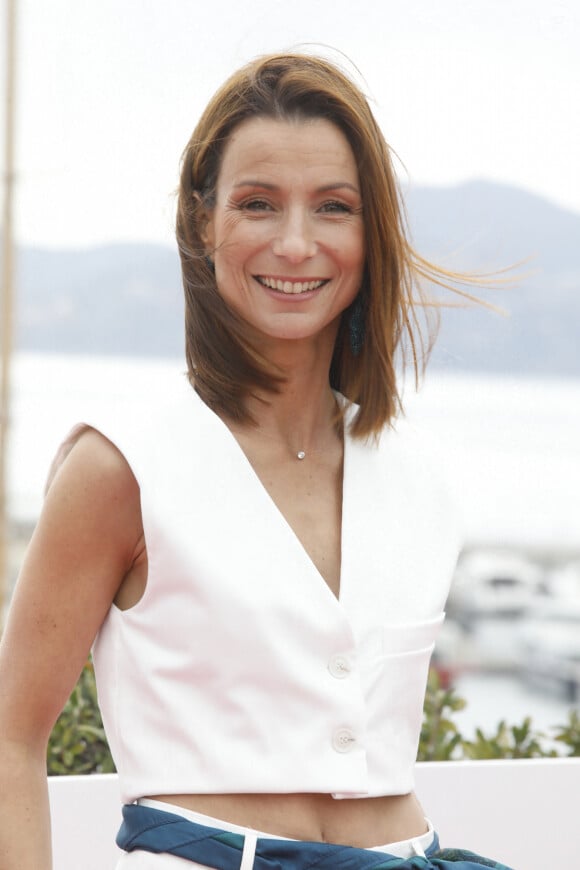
<point>523,813</point>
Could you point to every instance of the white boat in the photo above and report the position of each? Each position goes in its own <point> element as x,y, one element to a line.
<point>550,636</point>
<point>494,584</point>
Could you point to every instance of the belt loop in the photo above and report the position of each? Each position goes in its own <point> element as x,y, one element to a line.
<point>249,853</point>
<point>418,849</point>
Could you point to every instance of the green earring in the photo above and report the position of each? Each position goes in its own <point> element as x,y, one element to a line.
<point>356,325</point>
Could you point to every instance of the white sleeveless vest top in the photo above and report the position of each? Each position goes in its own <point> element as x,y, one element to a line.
<point>238,670</point>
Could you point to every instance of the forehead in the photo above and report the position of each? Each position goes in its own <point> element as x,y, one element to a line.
<point>270,149</point>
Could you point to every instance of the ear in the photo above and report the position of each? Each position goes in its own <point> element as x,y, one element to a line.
<point>204,217</point>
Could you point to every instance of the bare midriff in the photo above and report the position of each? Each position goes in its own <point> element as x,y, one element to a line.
<point>361,822</point>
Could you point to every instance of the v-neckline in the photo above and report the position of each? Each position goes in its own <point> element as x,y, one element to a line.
<point>259,487</point>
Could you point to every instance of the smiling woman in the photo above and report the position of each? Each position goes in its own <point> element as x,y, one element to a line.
<point>261,655</point>
<point>300,97</point>
<point>286,230</point>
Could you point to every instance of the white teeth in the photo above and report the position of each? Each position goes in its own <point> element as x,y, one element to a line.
<point>290,286</point>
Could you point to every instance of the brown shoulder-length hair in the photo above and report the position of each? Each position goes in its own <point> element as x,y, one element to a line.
<point>223,365</point>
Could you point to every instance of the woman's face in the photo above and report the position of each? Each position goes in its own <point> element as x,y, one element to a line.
<point>286,232</point>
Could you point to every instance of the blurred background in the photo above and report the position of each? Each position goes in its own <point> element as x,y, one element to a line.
<point>479,102</point>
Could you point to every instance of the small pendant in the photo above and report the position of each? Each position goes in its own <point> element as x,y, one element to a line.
<point>301,454</point>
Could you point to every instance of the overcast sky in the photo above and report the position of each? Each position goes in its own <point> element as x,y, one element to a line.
<point>109,91</point>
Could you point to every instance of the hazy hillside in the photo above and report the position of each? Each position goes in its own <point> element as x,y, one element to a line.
<point>116,299</point>
<point>127,299</point>
<point>486,226</point>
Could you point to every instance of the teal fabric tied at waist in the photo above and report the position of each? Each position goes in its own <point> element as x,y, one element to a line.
<point>156,831</point>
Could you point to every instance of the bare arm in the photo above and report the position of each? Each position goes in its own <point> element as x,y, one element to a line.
<point>86,542</point>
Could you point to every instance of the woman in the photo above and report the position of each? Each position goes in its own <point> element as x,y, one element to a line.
<point>263,619</point>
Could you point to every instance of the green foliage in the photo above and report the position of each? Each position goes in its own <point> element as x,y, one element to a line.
<point>569,734</point>
<point>441,741</point>
<point>517,741</point>
<point>78,743</point>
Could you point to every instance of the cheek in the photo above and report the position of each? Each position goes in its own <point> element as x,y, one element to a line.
<point>232,264</point>
<point>353,246</point>
<point>353,255</point>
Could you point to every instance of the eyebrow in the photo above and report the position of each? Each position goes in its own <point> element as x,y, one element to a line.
<point>325,188</point>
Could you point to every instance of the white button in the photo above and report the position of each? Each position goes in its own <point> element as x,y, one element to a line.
<point>343,740</point>
<point>339,667</point>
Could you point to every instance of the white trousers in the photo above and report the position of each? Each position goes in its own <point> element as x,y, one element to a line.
<point>140,860</point>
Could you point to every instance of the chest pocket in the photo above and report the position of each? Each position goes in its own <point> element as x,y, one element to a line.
<point>396,682</point>
<point>408,638</point>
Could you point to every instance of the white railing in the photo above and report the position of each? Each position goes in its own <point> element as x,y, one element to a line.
<point>524,813</point>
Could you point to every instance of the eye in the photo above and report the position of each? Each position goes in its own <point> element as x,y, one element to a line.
<point>255,204</point>
<point>335,206</point>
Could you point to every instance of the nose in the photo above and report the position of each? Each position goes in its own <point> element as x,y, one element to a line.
<point>294,240</point>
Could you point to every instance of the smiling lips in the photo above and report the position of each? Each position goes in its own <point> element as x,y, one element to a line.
<point>292,287</point>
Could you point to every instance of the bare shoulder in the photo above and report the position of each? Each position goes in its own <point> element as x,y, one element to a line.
<point>88,458</point>
<point>92,506</point>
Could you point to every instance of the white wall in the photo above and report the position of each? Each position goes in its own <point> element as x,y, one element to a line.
<point>523,813</point>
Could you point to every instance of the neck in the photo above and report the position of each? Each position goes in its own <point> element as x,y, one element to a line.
<point>302,417</point>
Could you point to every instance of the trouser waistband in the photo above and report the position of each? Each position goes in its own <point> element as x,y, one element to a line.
<point>156,831</point>
<point>402,849</point>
